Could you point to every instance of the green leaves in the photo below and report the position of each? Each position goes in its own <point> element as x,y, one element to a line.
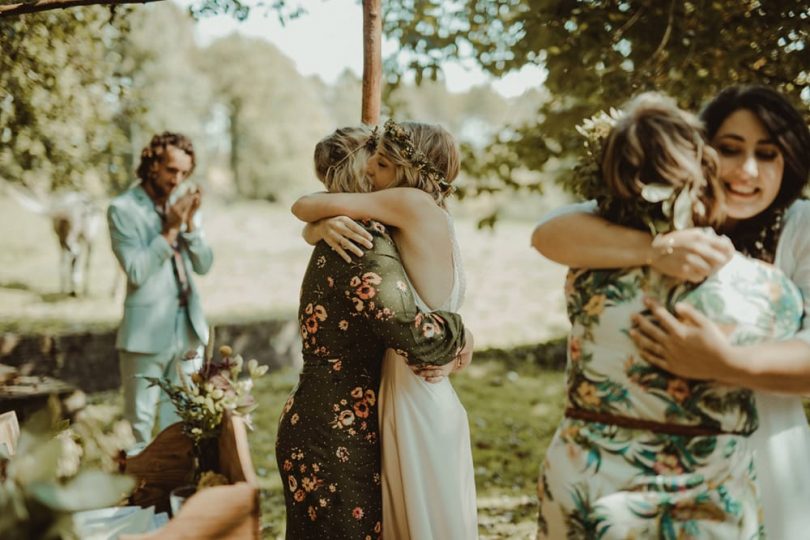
<point>600,53</point>
<point>88,490</point>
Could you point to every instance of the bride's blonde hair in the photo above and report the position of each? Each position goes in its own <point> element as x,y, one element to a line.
<point>425,156</point>
<point>341,158</point>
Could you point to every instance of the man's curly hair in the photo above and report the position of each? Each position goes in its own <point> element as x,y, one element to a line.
<point>153,153</point>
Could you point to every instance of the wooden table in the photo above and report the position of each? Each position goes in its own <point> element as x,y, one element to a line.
<point>25,394</point>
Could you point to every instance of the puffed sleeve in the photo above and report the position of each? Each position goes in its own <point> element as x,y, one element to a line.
<point>794,257</point>
<point>586,207</point>
<point>377,288</point>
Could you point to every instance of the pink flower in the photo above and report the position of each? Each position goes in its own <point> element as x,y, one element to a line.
<point>370,278</point>
<point>366,292</point>
<point>357,513</point>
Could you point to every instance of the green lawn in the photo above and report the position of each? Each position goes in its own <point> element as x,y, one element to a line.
<point>513,409</point>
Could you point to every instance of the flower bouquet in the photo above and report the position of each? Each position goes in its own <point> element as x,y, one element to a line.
<point>202,399</point>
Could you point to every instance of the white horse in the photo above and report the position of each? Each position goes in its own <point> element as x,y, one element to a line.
<point>77,220</point>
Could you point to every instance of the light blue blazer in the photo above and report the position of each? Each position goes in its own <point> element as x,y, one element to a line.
<point>152,304</point>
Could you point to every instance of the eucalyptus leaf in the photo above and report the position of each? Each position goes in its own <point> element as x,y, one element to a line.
<point>88,490</point>
<point>12,507</point>
<point>39,464</point>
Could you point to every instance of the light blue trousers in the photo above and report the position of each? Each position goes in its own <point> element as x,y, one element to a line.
<point>142,402</point>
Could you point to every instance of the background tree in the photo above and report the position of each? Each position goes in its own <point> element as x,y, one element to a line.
<point>165,88</point>
<point>598,53</point>
<point>59,91</point>
<point>274,116</point>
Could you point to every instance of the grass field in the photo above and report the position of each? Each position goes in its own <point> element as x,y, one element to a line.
<point>513,410</point>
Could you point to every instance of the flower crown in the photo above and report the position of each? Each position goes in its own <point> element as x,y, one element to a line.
<point>661,208</point>
<point>400,137</point>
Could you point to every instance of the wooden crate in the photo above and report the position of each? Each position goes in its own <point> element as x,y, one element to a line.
<point>230,511</point>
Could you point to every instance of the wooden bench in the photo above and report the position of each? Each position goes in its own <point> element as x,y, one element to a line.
<point>230,511</point>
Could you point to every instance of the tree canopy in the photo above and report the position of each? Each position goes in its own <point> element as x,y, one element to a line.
<point>600,52</point>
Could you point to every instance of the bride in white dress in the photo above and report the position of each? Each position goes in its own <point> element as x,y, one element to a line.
<point>428,483</point>
<point>427,470</point>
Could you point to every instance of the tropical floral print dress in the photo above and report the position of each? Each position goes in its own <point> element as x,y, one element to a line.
<point>642,453</point>
<point>328,443</point>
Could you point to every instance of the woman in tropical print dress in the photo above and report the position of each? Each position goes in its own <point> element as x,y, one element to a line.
<point>764,153</point>
<point>642,453</point>
<point>328,445</point>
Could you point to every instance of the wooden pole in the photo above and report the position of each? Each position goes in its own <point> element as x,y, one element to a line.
<point>19,8</point>
<point>372,62</point>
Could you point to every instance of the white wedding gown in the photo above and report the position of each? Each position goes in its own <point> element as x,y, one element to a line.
<point>428,480</point>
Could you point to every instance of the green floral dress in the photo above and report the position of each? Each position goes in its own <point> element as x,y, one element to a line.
<point>642,453</point>
<point>328,444</point>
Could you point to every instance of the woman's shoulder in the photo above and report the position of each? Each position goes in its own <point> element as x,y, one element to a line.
<point>797,218</point>
<point>799,211</point>
<point>794,239</point>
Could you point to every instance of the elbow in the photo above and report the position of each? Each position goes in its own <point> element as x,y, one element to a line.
<point>135,277</point>
<point>299,208</point>
<point>540,240</point>
<point>205,266</point>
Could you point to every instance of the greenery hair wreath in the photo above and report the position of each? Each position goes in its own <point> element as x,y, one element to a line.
<point>402,139</point>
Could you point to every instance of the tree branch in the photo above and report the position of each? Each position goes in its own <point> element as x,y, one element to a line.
<point>20,8</point>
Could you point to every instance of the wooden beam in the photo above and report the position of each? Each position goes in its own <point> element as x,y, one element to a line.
<point>20,8</point>
<point>372,62</point>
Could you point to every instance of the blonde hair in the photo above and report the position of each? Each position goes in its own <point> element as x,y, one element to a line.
<point>656,142</point>
<point>341,158</point>
<point>425,157</point>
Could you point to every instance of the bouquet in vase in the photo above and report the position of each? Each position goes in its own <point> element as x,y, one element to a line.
<point>202,399</point>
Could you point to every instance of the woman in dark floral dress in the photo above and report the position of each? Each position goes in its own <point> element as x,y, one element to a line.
<point>328,446</point>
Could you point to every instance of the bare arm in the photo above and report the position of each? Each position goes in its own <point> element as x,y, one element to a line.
<point>600,243</point>
<point>397,207</point>
<point>689,255</point>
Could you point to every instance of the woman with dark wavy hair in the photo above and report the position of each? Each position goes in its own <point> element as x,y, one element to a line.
<point>763,144</point>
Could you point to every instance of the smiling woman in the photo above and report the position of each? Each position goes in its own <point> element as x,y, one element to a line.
<point>751,165</point>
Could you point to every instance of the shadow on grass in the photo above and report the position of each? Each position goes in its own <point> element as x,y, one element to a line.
<point>16,286</point>
<point>47,297</point>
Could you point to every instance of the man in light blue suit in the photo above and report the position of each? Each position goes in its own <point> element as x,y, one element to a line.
<point>158,240</point>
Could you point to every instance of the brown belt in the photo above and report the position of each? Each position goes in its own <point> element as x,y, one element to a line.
<point>648,425</point>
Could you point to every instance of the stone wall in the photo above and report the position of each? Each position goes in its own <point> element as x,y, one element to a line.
<point>89,360</point>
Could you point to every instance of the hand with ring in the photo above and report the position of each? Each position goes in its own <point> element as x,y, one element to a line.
<point>687,344</point>
<point>689,255</point>
<point>342,234</point>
